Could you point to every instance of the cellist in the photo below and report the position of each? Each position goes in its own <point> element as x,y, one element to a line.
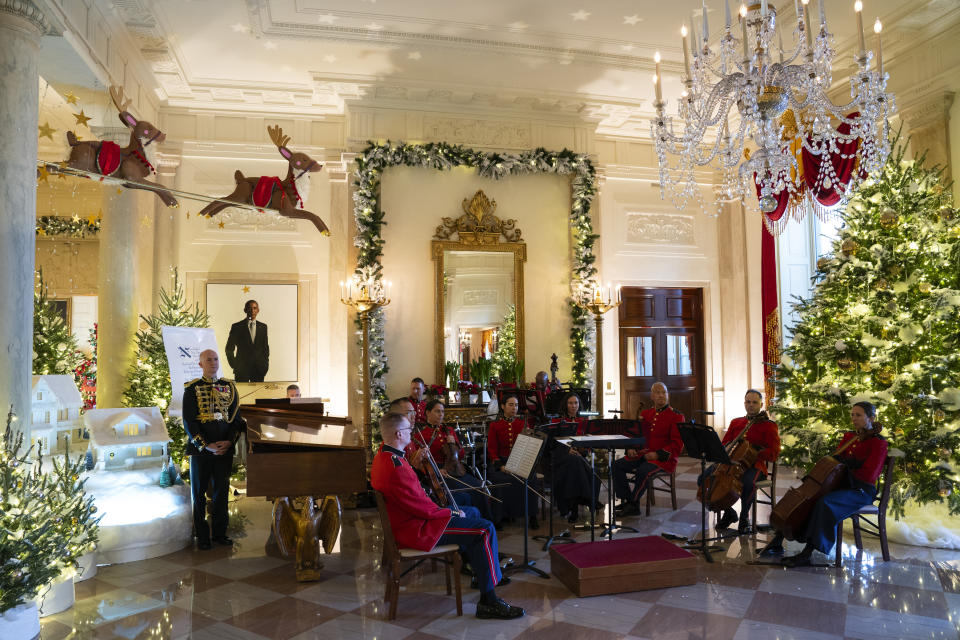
<point>864,459</point>
<point>763,435</point>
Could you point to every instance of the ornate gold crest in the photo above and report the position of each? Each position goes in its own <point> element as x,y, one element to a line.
<point>478,225</point>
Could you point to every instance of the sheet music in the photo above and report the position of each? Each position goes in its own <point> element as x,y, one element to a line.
<point>523,456</point>
<point>585,440</point>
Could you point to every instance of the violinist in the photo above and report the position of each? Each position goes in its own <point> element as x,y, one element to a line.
<point>571,472</point>
<point>446,449</point>
<point>418,523</point>
<point>763,435</point>
<point>864,457</point>
<point>659,423</point>
<point>501,436</point>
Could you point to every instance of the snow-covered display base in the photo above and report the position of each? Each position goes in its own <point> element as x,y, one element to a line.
<point>928,526</point>
<point>140,519</point>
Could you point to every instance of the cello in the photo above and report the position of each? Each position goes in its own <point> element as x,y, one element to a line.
<point>725,484</point>
<point>790,514</point>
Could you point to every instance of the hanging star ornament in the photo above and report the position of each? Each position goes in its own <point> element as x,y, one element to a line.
<point>42,174</point>
<point>82,119</point>
<point>70,98</point>
<point>220,224</point>
<point>246,289</point>
<point>47,130</point>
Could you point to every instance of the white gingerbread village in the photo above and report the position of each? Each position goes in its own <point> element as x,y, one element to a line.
<point>55,414</point>
<point>128,438</point>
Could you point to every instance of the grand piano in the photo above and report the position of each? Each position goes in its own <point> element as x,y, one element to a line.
<point>303,460</point>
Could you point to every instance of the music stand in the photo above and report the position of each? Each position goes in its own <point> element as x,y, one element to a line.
<point>552,432</point>
<point>521,463</point>
<point>702,442</point>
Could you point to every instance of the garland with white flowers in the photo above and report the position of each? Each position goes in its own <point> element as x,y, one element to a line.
<point>441,156</point>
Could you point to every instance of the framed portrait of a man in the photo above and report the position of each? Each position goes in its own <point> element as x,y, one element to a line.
<point>257,330</point>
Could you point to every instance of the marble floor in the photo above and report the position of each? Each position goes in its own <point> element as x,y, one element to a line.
<point>246,593</point>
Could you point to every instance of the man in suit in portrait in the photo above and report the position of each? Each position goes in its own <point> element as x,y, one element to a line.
<point>247,350</point>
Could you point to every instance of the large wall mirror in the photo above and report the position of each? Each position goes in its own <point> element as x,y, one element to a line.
<point>479,279</point>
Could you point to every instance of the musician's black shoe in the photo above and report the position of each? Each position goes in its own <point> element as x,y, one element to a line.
<point>204,545</point>
<point>573,517</point>
<point>744,528</point>
<point>726,519</point>
<point>498,610</point>
<point>800,560</point>
<point>773,548</point>
<point>224,541</point>
<point>629,509</point>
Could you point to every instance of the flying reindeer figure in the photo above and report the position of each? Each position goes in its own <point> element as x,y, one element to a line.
<point>132,163</point>
<point>270,192</point>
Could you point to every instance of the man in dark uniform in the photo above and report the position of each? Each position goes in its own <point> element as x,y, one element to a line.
<point>418,523</point>
<point>659,425</point>
<point>247,349</point>
<point>212,421</point>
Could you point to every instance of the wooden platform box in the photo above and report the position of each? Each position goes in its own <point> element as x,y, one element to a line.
<point>619,566</point>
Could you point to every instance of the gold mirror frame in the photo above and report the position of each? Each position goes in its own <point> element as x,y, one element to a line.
<point>477,230</point>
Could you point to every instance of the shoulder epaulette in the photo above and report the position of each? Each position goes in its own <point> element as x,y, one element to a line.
<point>397,462</point>
<point>192,382</point>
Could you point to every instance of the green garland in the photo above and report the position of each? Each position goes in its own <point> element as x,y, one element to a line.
<point>441,156</point>
<point>75,227</point>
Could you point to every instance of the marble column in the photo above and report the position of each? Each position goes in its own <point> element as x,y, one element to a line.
<point>927,120</point>
<point>21,25</point>
<point>117,311</point>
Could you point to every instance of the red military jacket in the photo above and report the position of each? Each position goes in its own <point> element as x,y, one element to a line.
<point>425,435</point>
<point>660,429</point>
<point>416,521</point>
<point>501,435</point>
<point>420,410</point>
<point>872,453</point>
<point>764,435</point>
<point>580,420</point>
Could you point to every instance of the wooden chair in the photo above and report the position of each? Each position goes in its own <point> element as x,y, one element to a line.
<point>393,555</point>
<point>876,528</point>
<point>766,493</point>
<point>668,484</point>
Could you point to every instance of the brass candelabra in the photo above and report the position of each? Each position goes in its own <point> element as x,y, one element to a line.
<point>592,299</point>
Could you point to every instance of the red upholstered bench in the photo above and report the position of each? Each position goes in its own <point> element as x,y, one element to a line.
<point>618,566</point>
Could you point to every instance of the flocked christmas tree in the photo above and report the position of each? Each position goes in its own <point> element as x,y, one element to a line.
<point>148,381</point>
<point>54,347</point>
<point>47,521</point>
<point>882,325</point>
<point>506,354</point>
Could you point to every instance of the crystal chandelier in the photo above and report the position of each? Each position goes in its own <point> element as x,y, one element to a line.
<point>779,99</point>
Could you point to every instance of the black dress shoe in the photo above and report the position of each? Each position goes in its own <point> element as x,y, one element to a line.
<point>629,509</point>
<point>204,545</point>
<point>799,560</point>
<point>728,518</point>
<point>224,541</point>
<point>498,610</point>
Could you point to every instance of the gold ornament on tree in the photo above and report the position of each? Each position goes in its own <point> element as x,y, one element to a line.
<point>823,263</point>
<point>924,287</point>
<point>880,284</point>
<point>849,247</point>
<point>845,364</point>
<point>947,213</point>
<point>939,415</point>
<point>904,404</point>
<point>894,270</point>
<point>888,218</point>
<point>885,374</point>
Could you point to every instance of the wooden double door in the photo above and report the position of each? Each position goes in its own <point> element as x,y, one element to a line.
<point>661,339</point>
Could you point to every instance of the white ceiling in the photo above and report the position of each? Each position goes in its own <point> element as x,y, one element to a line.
<point>565,55</point>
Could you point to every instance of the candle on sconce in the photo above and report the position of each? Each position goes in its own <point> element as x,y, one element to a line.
<point>618,293</point>
<point>656,77</point>
<point>743,32</point>
<point>877,28</point>
<point>706,26</point>
<point>726,13</point>
<point>806,20</point>
<point>858,9</point>
<point>693,34</point>
<point>342,291</point>
<point>686,51</point>
<point>609,293</point>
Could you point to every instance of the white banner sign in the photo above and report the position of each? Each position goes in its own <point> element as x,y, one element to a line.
<point>183,346</point>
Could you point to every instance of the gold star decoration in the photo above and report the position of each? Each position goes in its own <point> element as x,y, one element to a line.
<point>145,221</point>
<point>93,217</point>
<point>82,118</point>
<point>70,98</point>
<point>41,231</point>
<point>246,289</point>
<point>188,215</point>
<point>43,173</point>
<point>220,224</point>
<point>119,190</point>
<point>47,130</point>
<point>75,218</point>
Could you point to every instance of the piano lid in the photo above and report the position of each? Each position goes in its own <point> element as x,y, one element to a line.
<point>294,425</point>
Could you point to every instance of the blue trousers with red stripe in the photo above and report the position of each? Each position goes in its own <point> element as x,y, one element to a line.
<point>477,540</point>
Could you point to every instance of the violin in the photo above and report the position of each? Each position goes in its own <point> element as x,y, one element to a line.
<point>790,514</point>
<point>441,492</point>
<point>725,484</point>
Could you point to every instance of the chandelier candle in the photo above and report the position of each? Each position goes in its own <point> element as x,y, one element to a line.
<point>877,28</point>
<point>743,31</point>
<point>656,77</point>
<point>858,9</point>
<point>686,54</point>
<point>808,30</point>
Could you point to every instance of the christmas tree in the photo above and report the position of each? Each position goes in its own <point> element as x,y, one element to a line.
<point>882,326</point>
<point>506,354</point>
<point>46,520</point>
<point>148,381</point>
<point>54,347</point>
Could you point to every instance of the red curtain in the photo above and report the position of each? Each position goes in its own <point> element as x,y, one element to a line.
<point>769,305</point>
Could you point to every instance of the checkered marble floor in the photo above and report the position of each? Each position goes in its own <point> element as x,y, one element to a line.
<point>246,593</point>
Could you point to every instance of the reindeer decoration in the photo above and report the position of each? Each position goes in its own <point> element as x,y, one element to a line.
<point>132,163</point>
<point>269,192</point>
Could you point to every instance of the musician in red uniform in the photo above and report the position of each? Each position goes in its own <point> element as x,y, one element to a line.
<point>571,472</point>
<point>762,433</point>
<point>501,436</point>
<point>446,449</point>
<point>864,459</point>
<point>418,523</point>
<point>416,399</point>
<point>659,424</point>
